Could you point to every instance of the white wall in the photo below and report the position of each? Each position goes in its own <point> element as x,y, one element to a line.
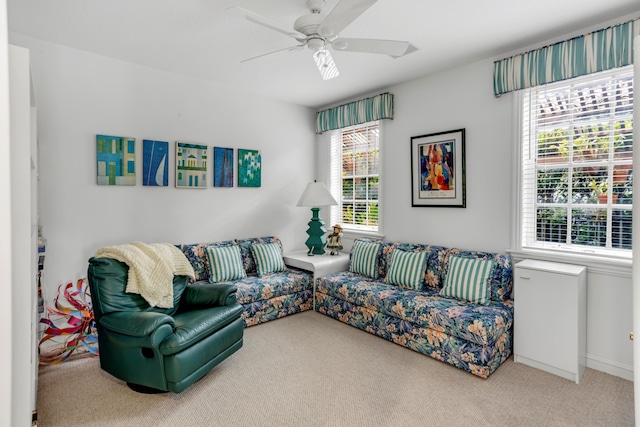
<point>23,241</point>
<point>459,98</point>
<point>80,95</point>
<point>463,98</point>
<point>6,284</point>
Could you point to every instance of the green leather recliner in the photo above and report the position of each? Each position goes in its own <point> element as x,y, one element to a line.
<point>162,349</point>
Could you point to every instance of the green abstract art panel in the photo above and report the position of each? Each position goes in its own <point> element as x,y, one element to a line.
<point>249,168</point>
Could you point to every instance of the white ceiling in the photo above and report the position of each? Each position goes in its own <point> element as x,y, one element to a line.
<point>199,38</point>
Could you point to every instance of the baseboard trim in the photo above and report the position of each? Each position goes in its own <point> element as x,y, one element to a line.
<point>609,367</point>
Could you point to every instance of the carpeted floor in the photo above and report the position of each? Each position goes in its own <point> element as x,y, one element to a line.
<point>310,370</point>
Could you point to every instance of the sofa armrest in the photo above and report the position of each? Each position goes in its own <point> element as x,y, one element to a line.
<point>135,323</point>
<point>209,295</point>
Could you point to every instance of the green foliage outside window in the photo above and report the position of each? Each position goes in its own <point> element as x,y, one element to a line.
<point>574,167</point>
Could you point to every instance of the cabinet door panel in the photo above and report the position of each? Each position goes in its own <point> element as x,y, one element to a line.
<point>546,318</point>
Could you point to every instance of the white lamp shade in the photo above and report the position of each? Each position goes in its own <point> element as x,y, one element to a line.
<point>315,195</point>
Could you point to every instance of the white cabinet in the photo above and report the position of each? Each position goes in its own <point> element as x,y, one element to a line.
<point>320,265</point>
<point>550,303</point>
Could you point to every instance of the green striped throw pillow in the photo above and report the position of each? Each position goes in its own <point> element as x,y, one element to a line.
<point>268,258</point>
<point>225,263</point>
<point>468,279</point>
<point>407,269</point>
<point>364,259</point>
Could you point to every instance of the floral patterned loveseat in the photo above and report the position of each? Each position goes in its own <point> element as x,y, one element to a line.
<point>263,298</point>
<point>473,337</point>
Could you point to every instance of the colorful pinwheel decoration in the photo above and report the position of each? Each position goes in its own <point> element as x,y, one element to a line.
<point>73,321</point>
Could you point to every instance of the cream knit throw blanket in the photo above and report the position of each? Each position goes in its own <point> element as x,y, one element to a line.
<point>151,269</point>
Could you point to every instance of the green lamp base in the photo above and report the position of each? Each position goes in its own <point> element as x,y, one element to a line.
<point>316,231</point>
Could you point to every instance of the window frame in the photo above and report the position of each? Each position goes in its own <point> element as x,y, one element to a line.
<point>608,260</point>
<point>335,181</point>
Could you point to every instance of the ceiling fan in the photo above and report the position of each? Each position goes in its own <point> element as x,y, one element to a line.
<point>318,32</point>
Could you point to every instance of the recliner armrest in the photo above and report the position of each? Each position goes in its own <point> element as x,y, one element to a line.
<point>135,323</point>
<point>209,295</point>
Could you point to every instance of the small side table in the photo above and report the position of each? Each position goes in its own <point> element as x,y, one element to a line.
<point>319,265</point>
<point>550,317</point>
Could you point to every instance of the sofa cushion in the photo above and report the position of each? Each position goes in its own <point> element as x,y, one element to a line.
<point>364,258</point>
<point>501,282</point>
<point>432,274</point>
<point>407,269</point>
<point>468,279</point>
<point>480,360</point>
<point>245,250</point>
<point>225,263</point>
<point>253,288</point>
<point>197,256</point>
<point>268,257</point>
<point>472,322</point>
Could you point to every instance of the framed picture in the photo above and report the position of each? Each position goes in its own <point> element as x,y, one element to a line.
<point>155,163</point>
<point>222,167</point>
<point>191,165</point>
<point>116,160</point>
<point>249,168</point>
<point>437,170</point>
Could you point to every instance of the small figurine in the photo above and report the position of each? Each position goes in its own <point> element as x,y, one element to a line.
<point>334,241</point>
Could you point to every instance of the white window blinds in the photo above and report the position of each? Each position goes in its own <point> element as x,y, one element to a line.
<point>577,172</point>
<point>355,169</point>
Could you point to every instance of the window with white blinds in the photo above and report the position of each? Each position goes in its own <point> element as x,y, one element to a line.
<point>355,176</point>
<point>577,171</point>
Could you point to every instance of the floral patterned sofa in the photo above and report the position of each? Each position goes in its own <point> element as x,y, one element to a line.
<point>474,337</point>
<point>263,298</point>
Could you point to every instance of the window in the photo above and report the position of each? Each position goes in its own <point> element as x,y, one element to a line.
<point>576,163</point>
<point>355,169</point>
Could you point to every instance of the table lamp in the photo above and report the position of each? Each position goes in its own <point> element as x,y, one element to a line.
<point>315,195</point>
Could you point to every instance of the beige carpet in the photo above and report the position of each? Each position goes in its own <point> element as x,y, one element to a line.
<point>310,370</point>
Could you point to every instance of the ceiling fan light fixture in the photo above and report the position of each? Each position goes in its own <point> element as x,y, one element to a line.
<point>340,44</point>
<point>315,44</point>
<point>325,64</point>
<point>318,31</point>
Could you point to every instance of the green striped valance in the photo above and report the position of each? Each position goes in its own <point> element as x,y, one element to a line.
<point>598,51</point>
<point>355,113</point>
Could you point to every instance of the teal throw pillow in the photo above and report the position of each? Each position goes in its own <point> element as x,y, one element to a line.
<point>268,258</point>
<point>225,263</point>
<point>468,279</point>
<point>364,258</point>
<point>407,269</point>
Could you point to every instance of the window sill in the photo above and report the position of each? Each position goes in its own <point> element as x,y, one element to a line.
<point>594,263</point>
<point>362,233</point>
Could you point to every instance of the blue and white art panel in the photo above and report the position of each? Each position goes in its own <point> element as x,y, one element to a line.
<point>116,160</point>
<point>222,167</point>
<point>155,163</point>
<point>191,165</point>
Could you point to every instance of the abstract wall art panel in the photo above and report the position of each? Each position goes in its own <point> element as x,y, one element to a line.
<point>116,160</point>
<point>191,165</point>
<point>249,168</point>
<point>438,169</point>
<point>222,167</point>
<point>155,163</point>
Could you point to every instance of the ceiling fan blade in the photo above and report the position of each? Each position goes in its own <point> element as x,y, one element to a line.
<point>392,48</point>
<point>345,12</point>
<point>325,64</point>
<point>265,22</point>
<point>291,49</point>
